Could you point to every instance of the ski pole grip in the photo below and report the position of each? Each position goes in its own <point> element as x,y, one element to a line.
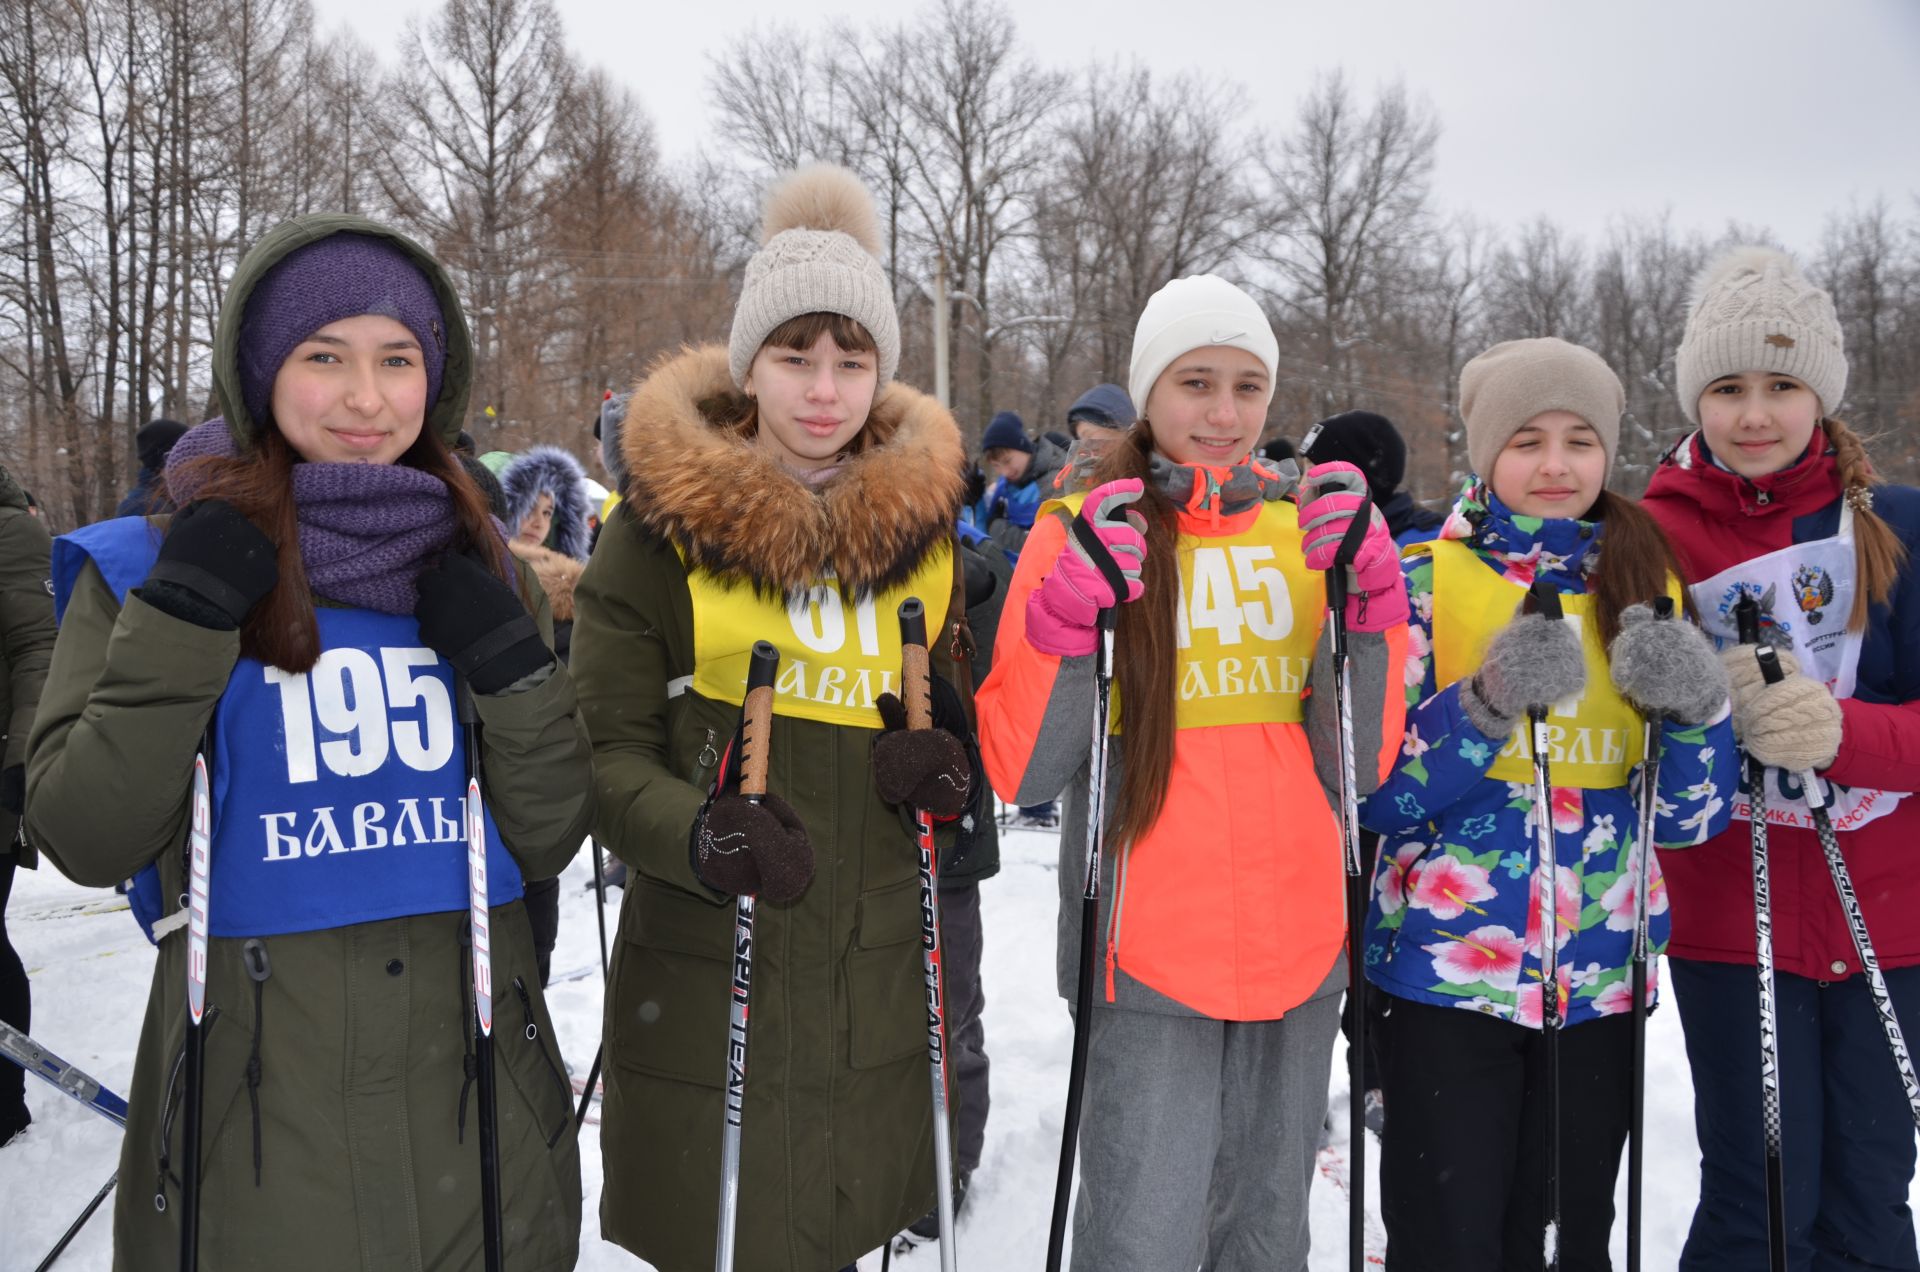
<point>1770,669</point>
<point>1663,607</point>
<point>1746,618</point>
<point>756,719</point>
<point>916,677</point>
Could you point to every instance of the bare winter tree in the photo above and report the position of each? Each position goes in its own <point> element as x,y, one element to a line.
<point>1349,188</point>
<point>474,108</point>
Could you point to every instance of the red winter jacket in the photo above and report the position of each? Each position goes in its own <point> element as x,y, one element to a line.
<point>1715,520</point>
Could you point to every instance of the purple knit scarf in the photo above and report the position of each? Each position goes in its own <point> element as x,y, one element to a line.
<point>366,530</point>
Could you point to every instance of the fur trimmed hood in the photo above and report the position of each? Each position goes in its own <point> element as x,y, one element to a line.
<point>557,574</point>
<point>553,470</point>
<point>737,512</point>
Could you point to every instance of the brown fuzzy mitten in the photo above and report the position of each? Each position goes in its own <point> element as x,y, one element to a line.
<point>921,768</point>
<point>751,849</point>
<point>1793,724</point>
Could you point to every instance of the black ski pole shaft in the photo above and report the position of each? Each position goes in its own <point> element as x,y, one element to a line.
<point>1818,802</point>
<point>199,870</point>
<point>756,733</point>
<point>1747,617</point>
<point>600,910</point>
<point>1357,885</point>
<point>1643,868</point>
<point>1089,923</point>
<point>916,693</point>
<point>479,926</point>
<point>73,1229</point>
<point>1543,599</point>
<point>593,1080</point>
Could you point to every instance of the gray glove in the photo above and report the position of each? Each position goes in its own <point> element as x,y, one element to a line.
<point>1534,661</point>
<point>1666,668</point>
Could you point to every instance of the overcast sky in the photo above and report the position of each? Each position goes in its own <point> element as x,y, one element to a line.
<point>1769,112</point>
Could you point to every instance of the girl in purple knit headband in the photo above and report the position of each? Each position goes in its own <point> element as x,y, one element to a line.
<point>314,621</point>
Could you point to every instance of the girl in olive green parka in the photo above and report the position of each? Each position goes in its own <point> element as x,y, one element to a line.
<point>330,571</point>
<point>779,489</point>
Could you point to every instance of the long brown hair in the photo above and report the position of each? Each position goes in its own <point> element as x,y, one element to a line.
<point>282,630</point>
<point>1144,649</point>
<point>1636,560</point>
<point>1879,556</point>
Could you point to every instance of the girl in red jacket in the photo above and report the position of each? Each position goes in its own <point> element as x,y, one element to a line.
<point>1222,918</point>
<point>1774,498</point>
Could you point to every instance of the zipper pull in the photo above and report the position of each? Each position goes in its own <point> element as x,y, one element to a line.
<point>1111,954</point>
<point>708,757</point>
<point>1764,498</point>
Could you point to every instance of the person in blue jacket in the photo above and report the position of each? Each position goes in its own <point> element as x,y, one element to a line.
<point>1020,473</point>
<point>1455,933</point>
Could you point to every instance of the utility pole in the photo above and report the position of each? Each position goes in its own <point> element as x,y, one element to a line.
<point>942,384</point>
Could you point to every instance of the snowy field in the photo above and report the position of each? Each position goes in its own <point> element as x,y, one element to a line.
<point>90,968</point>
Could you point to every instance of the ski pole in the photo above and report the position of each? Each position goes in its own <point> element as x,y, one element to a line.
<point>916,692</point>
<point>73,1229</point>
<point>1357,884</point>
<point>600,898</point>
<point>1747,617</point>
<point>756,731</point>
<point>479,925</point>
<point>1543,599</point>
<point>1090,894</point>
<point>43,1064</point>
<point>199,866</point>
<point>1818,801</point>
<point>1653,741</point>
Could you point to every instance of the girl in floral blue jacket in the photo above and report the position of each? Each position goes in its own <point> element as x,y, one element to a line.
<point>1454,931</point>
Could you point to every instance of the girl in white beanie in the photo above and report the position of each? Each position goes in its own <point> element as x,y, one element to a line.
<point>1773,497</point>
<point>1222,912</point>
<point>781,488</point>
<point>1457,929</point>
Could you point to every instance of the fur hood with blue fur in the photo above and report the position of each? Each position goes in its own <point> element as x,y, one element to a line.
<point>553,470</point>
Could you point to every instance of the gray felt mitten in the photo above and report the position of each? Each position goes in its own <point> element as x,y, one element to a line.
<point>1534,661</point>
<point>1666,667</point>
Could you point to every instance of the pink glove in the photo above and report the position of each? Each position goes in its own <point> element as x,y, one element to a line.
<point>1062,611</point>
<point>1330,495</point>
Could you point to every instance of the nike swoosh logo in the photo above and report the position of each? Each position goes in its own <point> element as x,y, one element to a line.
<point>1222,337</point>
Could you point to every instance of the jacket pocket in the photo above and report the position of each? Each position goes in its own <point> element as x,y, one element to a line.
<point>886,983</point>
<point>527,1055</point>
<point>672,986</point>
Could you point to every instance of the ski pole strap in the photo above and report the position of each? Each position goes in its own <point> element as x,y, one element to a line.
<point>916,674</point>
<point>1543,598</point>
<point>1345,555</point>
<point>1089,540</point>
<point>756,719</point>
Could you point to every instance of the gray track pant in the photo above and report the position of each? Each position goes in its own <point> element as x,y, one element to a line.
<point>1197,1140</point>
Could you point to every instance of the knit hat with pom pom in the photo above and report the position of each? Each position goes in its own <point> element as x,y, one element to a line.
<point>1752,310</point>
<point>820,254</point>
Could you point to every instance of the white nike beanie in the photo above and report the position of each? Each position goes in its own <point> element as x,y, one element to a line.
<point>1197,313</point>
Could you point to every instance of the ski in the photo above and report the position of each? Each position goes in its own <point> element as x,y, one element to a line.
<point>78,1085</point>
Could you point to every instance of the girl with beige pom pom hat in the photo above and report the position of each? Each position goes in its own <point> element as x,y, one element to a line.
<point>784,488</point>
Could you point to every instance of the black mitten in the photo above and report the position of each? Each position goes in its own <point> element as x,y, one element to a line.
<point>922,768</point>
<point>752,849</point>
<point>214,567</point>
<point>476,622</point>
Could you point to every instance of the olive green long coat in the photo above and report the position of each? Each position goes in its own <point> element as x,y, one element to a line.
<point>837,1126</point>
<point>363,1150</point>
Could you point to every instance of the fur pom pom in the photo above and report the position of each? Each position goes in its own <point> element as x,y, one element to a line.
<point>1732,263</point>
<point>822,196</point>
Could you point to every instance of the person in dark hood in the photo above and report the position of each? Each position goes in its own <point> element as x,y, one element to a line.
<point>1373,445</point>
<point>148,498</point>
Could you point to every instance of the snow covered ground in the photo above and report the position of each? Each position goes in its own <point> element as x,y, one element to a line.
<point>90,968</point>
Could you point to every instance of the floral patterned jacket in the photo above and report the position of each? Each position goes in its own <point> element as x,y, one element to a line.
<point>1458,893</point>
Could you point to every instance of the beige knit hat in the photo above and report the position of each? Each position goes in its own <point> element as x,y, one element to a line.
<point>1753,311</point>
<point>820,254</point>
<point>1514,381</point>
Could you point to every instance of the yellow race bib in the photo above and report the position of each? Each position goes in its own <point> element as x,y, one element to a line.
<point>836,654</point>
<point>1596,739</point>
<point>1249,617</point>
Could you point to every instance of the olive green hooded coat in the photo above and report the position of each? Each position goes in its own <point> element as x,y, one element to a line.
<point>26,634</point>
<point>837,1127</point>
<point>363,1150</point>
